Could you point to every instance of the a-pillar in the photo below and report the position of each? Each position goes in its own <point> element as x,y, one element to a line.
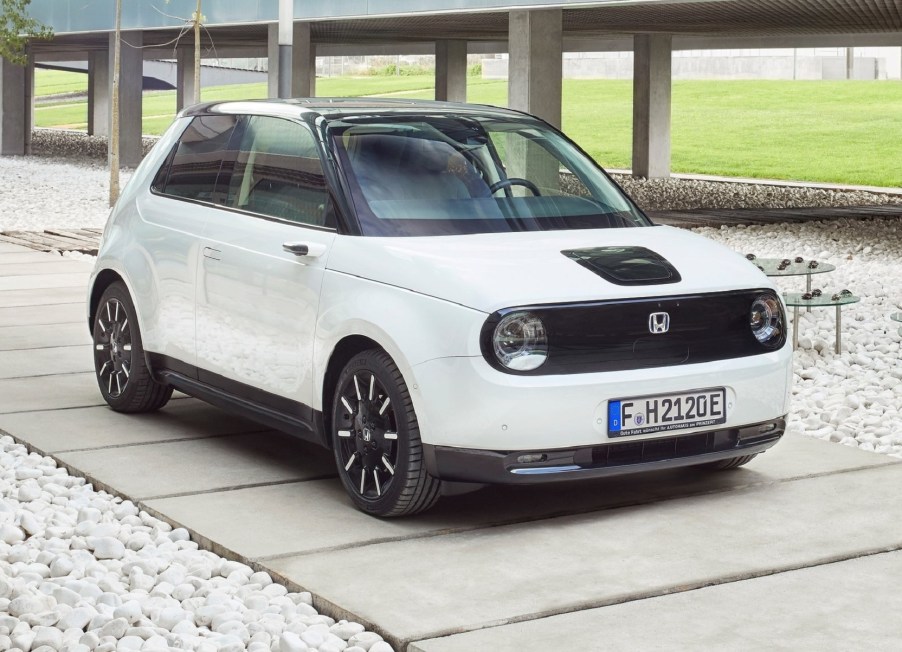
<point>451,71</point>
<point>535,71</point>
<point>131,83</point>
<point>99,93</point>
<point>12,108</point>
<point>651,105</point>
<point>184,78</point>
<point>303,61</point>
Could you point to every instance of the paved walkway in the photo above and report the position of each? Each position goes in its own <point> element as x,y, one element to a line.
<point>800,550</point>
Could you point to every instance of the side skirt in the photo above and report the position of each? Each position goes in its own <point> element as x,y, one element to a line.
<point>285,415</point>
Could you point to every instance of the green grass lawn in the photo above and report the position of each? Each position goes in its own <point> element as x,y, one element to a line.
<point>842,132</point>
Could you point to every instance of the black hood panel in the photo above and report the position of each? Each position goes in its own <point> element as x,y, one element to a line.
<point>626,265</point>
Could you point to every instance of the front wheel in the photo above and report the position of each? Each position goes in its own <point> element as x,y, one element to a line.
<point>122,374</point>
<point>376,439</point>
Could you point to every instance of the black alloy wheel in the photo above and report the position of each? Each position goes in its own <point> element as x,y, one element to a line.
<point>122,374</point>
<point>376,440</point>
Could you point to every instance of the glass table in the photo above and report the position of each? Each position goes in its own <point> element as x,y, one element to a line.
<point>771,267</point>
<point>795,300</point>
<point>897,316</point>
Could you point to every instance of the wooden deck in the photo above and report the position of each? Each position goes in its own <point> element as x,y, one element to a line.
<point>87,241</point>
<point>84,241</point>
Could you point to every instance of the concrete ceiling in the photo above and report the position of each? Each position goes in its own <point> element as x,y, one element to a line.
<point>698,20</point>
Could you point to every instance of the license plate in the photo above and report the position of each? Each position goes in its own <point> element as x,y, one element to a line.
<point>647,414</point>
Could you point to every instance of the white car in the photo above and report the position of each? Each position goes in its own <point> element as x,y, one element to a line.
<point>436,292</point>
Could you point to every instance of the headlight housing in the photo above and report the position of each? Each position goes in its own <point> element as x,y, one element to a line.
<point>519,341</point>
<point>767,321</point>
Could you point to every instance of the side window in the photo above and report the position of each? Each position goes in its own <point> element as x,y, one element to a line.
<point>278,173</point>
<point>196,162</point>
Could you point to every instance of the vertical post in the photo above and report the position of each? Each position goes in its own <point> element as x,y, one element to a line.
<point>850,63</point>
<point>185,90</point>
<point>303,61</point>
<point>651,105</point>
<point>286,18</point>
<point>116,37</point>
<point>29,101</point>
<point>451,71</point>
<point>99,85</point>
<point>128,101</point>
<point>12,109</point>
<point>535,43</point>
<point>197,19</point>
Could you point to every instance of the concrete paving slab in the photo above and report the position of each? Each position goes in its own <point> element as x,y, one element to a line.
<point>196,465</point>
<point>41,297</point>
<point>331,522</point>
<point>42,267</point>
<point>43,281</point>
<point>538,569</point>
<point>6,247</point>
<point>25,255</point>
<point>48,393</point>
<point>45,362</point>
<point>829,607</point>
<point>53,431</point>
<point>62,313</point>
<point>43,336</point>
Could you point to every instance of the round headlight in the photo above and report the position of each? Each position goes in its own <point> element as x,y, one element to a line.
<point>767,321</point>
<point>519,341</point>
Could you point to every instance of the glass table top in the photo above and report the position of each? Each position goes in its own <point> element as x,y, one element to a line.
<point>826,299</point>
<point>771,267</point>
<point>896,316</point>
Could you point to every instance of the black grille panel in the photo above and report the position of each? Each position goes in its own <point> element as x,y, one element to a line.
<point>615,335</point>
<point>655,450</point>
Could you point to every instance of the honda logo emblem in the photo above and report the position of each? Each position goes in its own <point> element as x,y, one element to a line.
<point>658,323</point>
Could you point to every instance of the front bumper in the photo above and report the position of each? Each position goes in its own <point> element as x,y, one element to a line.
<point>620,458</point>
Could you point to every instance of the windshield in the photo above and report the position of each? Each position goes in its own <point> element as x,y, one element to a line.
<point>448,175</point>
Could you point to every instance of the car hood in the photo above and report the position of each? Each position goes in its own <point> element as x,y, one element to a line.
<point>488,272</point>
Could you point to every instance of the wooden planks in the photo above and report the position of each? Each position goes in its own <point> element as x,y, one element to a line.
<point>85,241</point>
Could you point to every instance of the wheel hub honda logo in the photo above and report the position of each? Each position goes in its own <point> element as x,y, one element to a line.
<point>658,323</point>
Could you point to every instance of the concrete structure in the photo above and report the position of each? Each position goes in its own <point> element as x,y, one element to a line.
<point>535,32</point>
<point>798,550</point>
<point>451,71</point>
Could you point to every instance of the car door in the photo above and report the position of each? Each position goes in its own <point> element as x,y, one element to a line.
<point>262,267</point>
<point>173,216</point>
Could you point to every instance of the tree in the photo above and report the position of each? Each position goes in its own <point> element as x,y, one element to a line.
<point>16,28</point>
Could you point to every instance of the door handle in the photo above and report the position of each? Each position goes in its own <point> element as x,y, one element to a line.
<point>308,249</point>
<point>210,252</point>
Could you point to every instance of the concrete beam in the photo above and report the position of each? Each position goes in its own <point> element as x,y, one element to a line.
<point>131,77</point>
<point>651,105</point>
<point>184,78</point>
<point>99,86</point>
<point>451,70</point>
<point>536,50</point>
<point>12,109</point>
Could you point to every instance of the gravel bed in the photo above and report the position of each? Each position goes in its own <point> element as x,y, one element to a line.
<point>854,397</point>
<point>84,571</point>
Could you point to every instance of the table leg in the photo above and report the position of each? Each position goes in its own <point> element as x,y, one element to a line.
<point>795,327</point>
<point>838,328</point>
<point>808,288</point>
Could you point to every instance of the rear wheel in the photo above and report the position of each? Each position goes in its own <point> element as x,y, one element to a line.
<point>731,463</point>
<point>376,439</point>
<point>122,374</point>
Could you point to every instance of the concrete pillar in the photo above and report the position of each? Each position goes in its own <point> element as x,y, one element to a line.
<point>536,67</point>
<point>651,105</point>
<point>303,61</point>
<point>12,109</point>
<point>29,102</point>
<point>184,78</point>
<point>99,84</point>
<point>131,82</point>
<point>451,71</point>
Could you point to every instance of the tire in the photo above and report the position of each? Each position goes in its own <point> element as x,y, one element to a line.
<point>731,463</point>
<point>122,374</point>
<point>376,439</point>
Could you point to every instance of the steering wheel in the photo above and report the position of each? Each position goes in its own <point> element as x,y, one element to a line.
<point>515,181</point>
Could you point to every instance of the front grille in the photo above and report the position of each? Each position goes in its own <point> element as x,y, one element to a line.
<point>615,335</point>
<point>654,450</point>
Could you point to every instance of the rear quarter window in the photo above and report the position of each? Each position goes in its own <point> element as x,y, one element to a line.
<point>192,169</point>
